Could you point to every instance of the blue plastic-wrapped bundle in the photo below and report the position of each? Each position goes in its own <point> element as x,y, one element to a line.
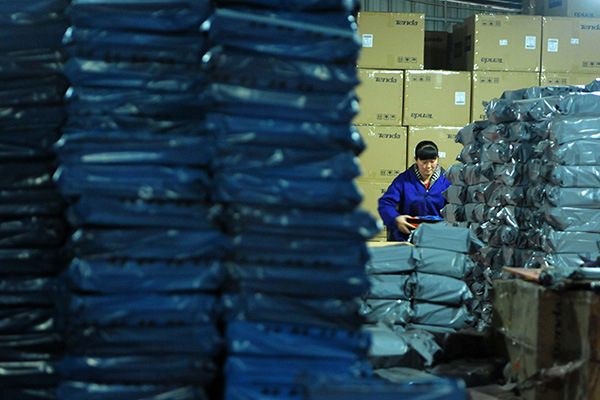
<point>140,299</point>
<point>282,100</point>
<point>33,229</point>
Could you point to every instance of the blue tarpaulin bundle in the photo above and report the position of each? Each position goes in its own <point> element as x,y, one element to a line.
<point>94,391</point>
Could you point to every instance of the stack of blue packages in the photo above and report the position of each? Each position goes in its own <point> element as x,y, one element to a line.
<point>141,289</point>
<point>32,229</point>
<point>282,90</point>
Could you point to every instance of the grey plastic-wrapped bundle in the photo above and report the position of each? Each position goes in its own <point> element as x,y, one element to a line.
<point>442,315</point>
<point>581,103</point>
<point>573,197</point>
<point>572,218</point>
<point>541,91</point>
<point>568,128</point>
<point>386,311</point>
<point>395,258</point>
<point>455,194</point>
<point>473,174</point>
<point>471,132</point>
<point>477,211</point>
<point>453,213</point>
<point>469,154</point>
<point>391,286</point>
<point>441,289</point>
<point>536,109</point>
<point>575,176</point>
<point>442,262</point>
<point>391,348</point>
<point>578,152</point>
<point>443,237</point>
<point>503,195</point>
<point>554,241</point>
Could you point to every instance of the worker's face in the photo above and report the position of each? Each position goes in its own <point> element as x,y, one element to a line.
<point>427,167</point>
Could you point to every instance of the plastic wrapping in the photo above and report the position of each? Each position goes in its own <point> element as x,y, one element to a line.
<point>32,117</point>
<point>31,63</point>
<point>25,35</point>
<point>150,77</point>
<point>470,133</point>
<point>391,286</point>
<point>281,104</point>
<point>269,72</point>
<point>240,130</point>
<point>25,291</point>
<point>287,340</point>
<point>442,262</point>
<point>297,5</point>
<point>94,391</point>
<point>480,193</point>
<point>271,161</point>
<point>115,212</point>
<point>441,289</point>
<point>148,124</point>
<point>453,213</point>
<point>30,393</point>
<point>535,109</point>
<point>30,202</point>
<point>144,370</point>
<point>577,153</point>
<point>32,143</point>
<point>322,312</point>
<point>260,189</point>
<point>300,250</point>
<point>33,90</point>
<point>33,350</point>
<point>572,197</point>
<point>83,101</point>
<point>30,261</point>
<point>441,237</point>
<point>585,177</point>
<point>469,154</point>
<point>156,276</point>
<point>473,174</point>
<point>145,181</point>
<point>455,194</point>
<point>379,389</point>
<point>386,311</point>
<point>26,320</point>
<point>581,103</point>
<point>535,92</point>
<point>502,152</point>
<point>442,315</point>
<point>134,309</point>
<point>309,281</point>
<point>392,348</point>
<point>396,258</point>
<point>144,243</point>
<point>144,15</point>
<point>569,242</point>
<point>513,174</point>
<point>568,128</point>
<point>26,175</point>
<point>32,232</point>
<point>572,218</point>
<point>23,373</point>
<point>503,195</point>
<point>112,341</point>
<point>357,224</point>
<point>118,45</point>
<point>326,37</point>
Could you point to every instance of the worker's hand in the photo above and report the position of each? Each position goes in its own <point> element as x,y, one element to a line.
<point>403,225</point>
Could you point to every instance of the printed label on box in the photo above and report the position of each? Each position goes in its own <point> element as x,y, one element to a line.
<point>530,42</point>
<point>574,40</point>
<point>460,98</point>
<point>552,45</point>
<point>367,40</point>
<point>503,42</point>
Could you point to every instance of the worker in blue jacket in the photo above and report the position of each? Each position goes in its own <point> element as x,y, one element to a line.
<point>416,192</point>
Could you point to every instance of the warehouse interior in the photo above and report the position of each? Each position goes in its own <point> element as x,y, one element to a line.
<point>242,200</point>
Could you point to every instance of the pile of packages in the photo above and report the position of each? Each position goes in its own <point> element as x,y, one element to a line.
<point>528,185</point>
<point>283,77</point>
<point>32,229</point>
<point>141,290</point>
<point>418,289</point>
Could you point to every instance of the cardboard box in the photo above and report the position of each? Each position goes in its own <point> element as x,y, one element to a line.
<point>372,190</point>
<point>437,55</point>
<point>385,156</point>
<point>572,8</point>
<point>571,45</point>
<point>391,40</point>
<point>563,79</point>
<point>437,98</point>
<point>442,136</point>
<point>498,43</point>
<point>487,85</point>
<point>541,331</point>
<point>380,95</point>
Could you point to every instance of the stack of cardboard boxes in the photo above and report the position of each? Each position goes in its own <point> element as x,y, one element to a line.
<point>400,102</point>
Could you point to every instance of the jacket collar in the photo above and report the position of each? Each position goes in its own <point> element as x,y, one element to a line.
<point>436,174</point>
